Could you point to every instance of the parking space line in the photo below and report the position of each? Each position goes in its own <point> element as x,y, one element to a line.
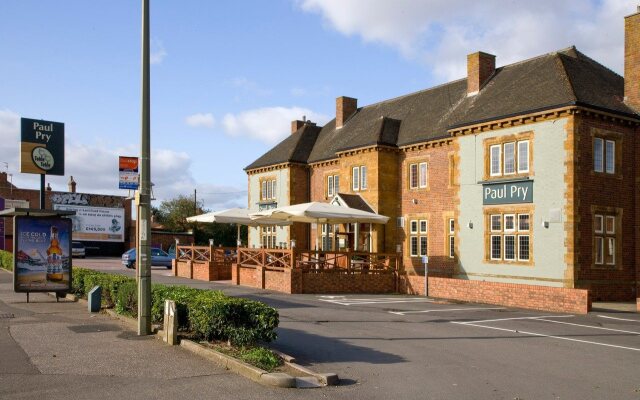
<point>547,336</point>
<point>515,318</point>
<point>589,326</point>
<point>350,302</point>
<point>619,319</point>
<point>446,309</point>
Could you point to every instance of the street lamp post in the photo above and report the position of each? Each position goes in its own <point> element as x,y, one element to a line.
<point>144,202</point>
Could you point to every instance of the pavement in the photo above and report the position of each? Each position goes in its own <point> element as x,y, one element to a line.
<point>381,346</point>
<point>58,350</point>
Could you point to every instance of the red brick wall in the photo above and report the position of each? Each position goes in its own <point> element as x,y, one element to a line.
<point>182,269</point>
<point>612,191</point>
<point>340,283</point>
<point>245,276</point>
<point>277,280</point>
<point>436,203</point>
<point>632,60</point>
<point>318,192</point>
<point>505,294</point>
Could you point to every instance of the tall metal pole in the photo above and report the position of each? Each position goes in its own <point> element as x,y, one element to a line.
<point>144,204</point>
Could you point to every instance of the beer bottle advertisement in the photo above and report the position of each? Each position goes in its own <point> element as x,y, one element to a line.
<point>42,254</point>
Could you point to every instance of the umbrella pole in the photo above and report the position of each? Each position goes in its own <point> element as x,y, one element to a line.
<point>238,236</point>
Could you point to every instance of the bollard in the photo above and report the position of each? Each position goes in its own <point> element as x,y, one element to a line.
<point>95,298</point>
<point>170,322</point>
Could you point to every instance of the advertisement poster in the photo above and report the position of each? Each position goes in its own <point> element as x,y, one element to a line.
<point>100,224</point>
<point>42,254</point>
<point>41,147</point>
<point>129,177</point>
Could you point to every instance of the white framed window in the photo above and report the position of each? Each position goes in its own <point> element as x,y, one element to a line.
<point>510,158</point>
<point>605,239</point>
<point>414,226</point>
<point>523,156</point>
<point>495,160</point>
<point>610,157</point>
<point>509,222</point>
<point>496,225</point>
<point>263,195</point>
<point>496,247</point>
<point>610,255</point>
<point>413,176</point>
<point>423,226</point>
<point>422,167</point>
<point>610,225</point>
<point>363,177</point>
<point>355,178</point>
<point>274,194</point>
<point>329,185</point>
<point>336,184</point>
<point>452,238</point>
<point>598,154</point>
<point>423,245</point>
<point>510,247</point>
<point>598,223</point>
<point>269,189</point>
<point>414,246</point>
<point>510,238</point>
<point>599,250</point>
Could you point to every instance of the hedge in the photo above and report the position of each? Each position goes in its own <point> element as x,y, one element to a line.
<point>205,314</point>
<point>6,260</point>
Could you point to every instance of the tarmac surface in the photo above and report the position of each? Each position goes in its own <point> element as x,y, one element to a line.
<point>382,347</point>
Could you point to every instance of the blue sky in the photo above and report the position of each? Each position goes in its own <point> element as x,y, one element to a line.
<point>229,76</point>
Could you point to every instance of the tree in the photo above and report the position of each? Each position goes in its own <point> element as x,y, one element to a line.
<point>172,214</point>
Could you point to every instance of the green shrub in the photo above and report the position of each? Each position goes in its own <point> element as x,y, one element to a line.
<point>6,260</point>
<point>207,314</point>
<point>261,358</point>
<point>242,322</point>
<point>126,298</point>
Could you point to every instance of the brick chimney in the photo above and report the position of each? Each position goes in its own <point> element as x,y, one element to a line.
<point>295,125</point>
<point>345,107</point>
<point>632,60</point>
<point>72,185</point>
<point>480,67</point>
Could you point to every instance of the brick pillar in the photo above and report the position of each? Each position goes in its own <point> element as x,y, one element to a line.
<point>480,67</point>
<point>260,276</point>
<point>235,274</point>
<point>632,60</point>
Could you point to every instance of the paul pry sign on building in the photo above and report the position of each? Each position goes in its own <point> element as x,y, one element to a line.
<point>129,176</point>
<point>507,192</point>
<point>41,147</point>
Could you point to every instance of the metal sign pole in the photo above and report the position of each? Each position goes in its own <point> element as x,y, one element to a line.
<point>42,189</point>
<point>144,233</point>
<point>425,261</point>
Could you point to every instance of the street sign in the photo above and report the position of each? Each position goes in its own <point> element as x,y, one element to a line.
<point>129,175</point>
<point>41,147</point>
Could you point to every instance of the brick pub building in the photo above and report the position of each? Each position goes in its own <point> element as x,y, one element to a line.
<point>518,182</point>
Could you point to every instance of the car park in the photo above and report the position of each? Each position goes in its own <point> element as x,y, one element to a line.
<point>78,250</point>
<point>159,257</point>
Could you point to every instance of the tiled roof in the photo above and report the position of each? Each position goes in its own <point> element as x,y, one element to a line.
<point>295,148</point>
<point>553,80</point>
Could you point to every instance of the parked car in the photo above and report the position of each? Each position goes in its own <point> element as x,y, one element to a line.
<point>78,250</point>
<point>159,257</point>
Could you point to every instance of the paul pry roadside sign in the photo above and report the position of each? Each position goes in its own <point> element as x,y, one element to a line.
<point>41,147</point>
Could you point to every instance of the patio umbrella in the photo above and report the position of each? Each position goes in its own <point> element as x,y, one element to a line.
<point>239,216</point>
<point>321,213</point>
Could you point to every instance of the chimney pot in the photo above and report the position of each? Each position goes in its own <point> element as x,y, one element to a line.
<point>72,185</point>
<point>632,60</point>
<point>480,67</point>
<point>345,108</point>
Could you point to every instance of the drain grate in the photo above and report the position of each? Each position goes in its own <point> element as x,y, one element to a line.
<point>5,315</point>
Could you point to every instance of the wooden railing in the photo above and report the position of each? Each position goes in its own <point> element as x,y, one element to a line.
<point>347,262</point>
<point>275,259</point>
<point>205,253</point>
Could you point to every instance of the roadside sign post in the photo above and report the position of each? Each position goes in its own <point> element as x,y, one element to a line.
<point>425,262</point>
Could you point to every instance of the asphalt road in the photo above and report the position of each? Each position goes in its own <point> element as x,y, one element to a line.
<point>409,347</point>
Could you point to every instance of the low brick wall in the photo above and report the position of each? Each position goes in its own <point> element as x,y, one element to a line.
<point>351,283</point>
<point>505,294</point>
<point>204,271</point>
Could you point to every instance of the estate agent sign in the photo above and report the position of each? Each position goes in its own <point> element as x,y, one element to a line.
<point>129,176</point>
<point>42,147</point>
<point>507,192</point>
<point>42,254</point>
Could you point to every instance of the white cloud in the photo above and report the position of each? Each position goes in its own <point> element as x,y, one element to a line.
<point>442,32</point>
<point>269,124</point>
<point>201,120</point>
<point>157,53</point>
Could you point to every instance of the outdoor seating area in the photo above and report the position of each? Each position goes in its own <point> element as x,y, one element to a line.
<point>206,263</point>
<point>295,271</point>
